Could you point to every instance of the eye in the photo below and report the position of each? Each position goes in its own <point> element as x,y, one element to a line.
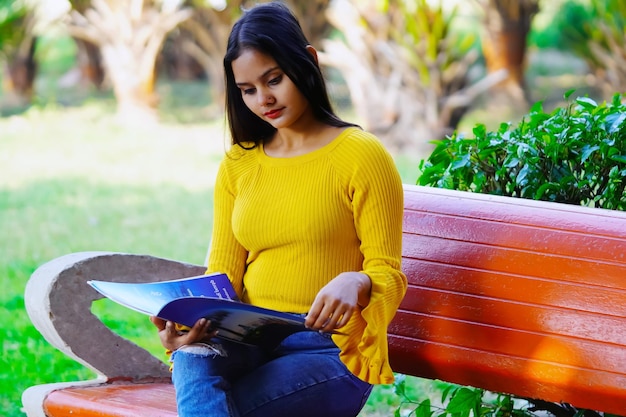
<point>247,91</point>
<point>276,80</point>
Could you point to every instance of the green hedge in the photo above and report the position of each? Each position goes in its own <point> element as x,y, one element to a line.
<point>576,155</point>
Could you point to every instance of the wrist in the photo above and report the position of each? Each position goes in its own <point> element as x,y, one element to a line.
<point>364,289</point>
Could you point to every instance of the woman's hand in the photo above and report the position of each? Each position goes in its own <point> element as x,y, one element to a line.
<point>173,339</point>
<point>336,301</point>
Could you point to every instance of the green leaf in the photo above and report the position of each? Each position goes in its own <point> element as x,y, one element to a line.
<point>619,158</point>
<point>512,161</point>
<point>463,162</point>
<point>504,127</point>
<point>424,409</point>
<point>587,103</point>
<point>617,102</point>
<point>480,179</point>
<point>448,390</point>
<point>464,400</point>
<point>480,130</point>
<point>537,107</point>
<point>587,151</point>
<point>568,93</point>
<point>614,122</point>
<point>520,179</point>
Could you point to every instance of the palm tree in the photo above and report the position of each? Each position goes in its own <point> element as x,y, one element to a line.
<point>129,34</point>
<point>407,73</point>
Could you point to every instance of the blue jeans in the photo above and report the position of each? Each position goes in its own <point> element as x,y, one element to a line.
<point>301,377</point>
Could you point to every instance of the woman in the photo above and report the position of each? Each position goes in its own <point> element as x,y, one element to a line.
<point>307,220</point>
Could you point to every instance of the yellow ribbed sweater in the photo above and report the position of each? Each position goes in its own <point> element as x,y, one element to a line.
<point>284,227</point>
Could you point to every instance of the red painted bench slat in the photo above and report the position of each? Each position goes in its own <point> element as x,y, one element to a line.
<point>114,400</point>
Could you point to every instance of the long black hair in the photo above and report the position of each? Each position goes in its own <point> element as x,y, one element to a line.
<point>272,29</point>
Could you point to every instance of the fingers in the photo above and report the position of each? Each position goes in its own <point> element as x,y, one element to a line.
<point>328,318</point>
<point>158,322</point>
<point>199,330</point>
<point>172,338</point>
<point>344,319</point>
<point>335,303</point>
<point>170,330</point>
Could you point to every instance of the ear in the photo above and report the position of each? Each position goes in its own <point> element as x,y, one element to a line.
<point>313,52</point>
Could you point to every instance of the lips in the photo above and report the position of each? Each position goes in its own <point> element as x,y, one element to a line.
<point>273,114</point>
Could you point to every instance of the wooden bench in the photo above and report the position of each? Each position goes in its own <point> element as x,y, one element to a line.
<point>510,295</point>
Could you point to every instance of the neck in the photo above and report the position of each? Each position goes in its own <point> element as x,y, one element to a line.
<point>292,142</point>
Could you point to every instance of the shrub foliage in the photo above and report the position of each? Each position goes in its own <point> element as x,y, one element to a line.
<point>576,155</point>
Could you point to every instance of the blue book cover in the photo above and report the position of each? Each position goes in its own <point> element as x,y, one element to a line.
<point>185,301</point>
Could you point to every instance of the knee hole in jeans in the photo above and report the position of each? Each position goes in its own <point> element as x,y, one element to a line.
<point>203,349</point>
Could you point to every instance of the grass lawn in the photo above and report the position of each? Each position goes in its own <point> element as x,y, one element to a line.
<point>72,180</point>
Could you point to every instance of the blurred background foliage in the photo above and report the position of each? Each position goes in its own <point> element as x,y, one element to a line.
<point>411,70</point>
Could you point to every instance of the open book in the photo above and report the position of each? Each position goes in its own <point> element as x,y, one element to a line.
<point>186,300</point>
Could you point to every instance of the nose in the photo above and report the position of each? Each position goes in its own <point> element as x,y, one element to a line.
<point>265,97</point>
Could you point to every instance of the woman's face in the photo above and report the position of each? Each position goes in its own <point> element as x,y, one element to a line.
<point>268,92</point>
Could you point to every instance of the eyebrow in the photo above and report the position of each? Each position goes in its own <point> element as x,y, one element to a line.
<point>265,74</point>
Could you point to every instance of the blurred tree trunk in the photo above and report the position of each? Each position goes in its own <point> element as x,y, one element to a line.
<point>90,63</point>
<point>204,37</point>
<point>21,70</point>
<point>129,34</point>
<point>17,47</point>
<point>175,62</point>
<point>88,56</point>
<point>504,40</point>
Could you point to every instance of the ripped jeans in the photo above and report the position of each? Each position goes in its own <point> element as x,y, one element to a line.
<point>302,377</point>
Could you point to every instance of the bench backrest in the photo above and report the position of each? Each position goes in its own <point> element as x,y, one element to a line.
<point>515,296</point>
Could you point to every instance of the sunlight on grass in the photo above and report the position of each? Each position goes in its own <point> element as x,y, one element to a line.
<point>78,143</point>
